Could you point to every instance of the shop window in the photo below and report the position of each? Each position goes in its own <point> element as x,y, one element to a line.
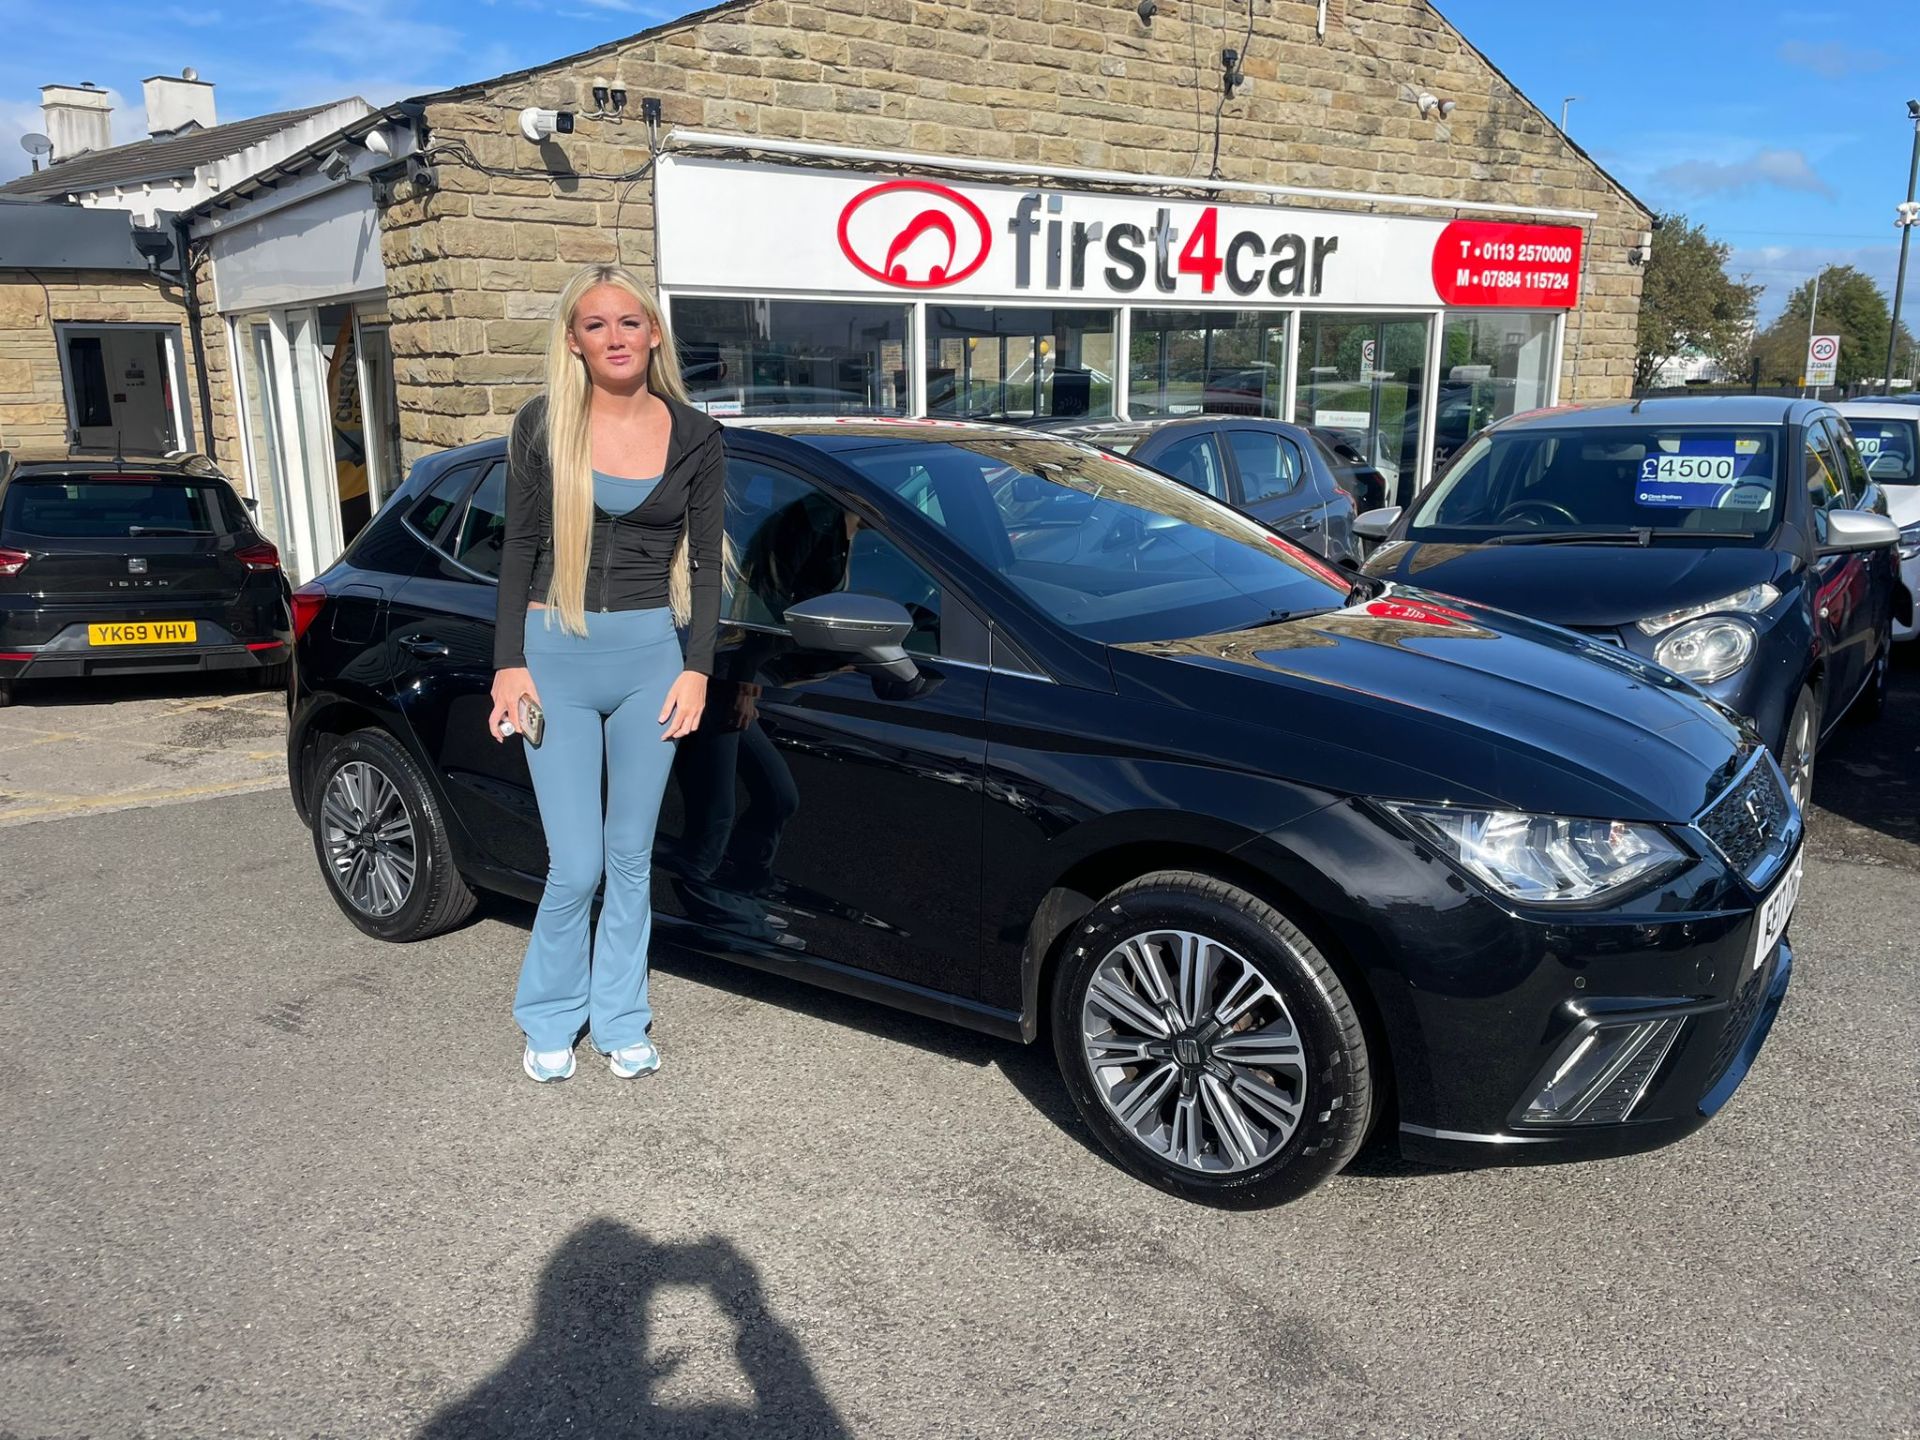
<point>1189,362</point>
<point>1003,362</point>
<point>1269,465</point>
<point>1492,365</point>
<point>791,542</point>
<point>792,357</point>
<point>1362,382</point>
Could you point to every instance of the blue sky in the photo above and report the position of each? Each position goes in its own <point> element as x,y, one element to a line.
<point>1780,124</point>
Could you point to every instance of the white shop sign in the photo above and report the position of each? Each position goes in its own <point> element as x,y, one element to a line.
<point>771,229</point>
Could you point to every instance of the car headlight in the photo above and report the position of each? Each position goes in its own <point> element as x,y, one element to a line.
<point>1542,859</point>
<point>1750,601</point>
<point>1909,541</point>
<point>1706,650</point>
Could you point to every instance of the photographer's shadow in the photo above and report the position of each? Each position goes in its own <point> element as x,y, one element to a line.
<point>596,1357</point>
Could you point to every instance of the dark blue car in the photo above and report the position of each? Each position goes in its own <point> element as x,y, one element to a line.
<point>1739,542</point>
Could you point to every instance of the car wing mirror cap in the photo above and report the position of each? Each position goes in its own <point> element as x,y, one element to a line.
<point>1377,524</point>
<point>871,629</point>
<point>1852,530</point>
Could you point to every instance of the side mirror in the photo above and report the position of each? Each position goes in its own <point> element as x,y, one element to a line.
<point>865,626</point>
<point>251,502</point>
<point>1852,530</point>
<point>1377,524</point>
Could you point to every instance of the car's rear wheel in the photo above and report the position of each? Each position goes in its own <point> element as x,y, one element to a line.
<point>6,693</point>
<point>382,841</point>
<point>1802,742</point>
<point>273,677</point>
<point>1207,1042</point>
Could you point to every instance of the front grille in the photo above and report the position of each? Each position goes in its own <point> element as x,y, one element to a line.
<point>1752,820</point>
<point>1740,1019</point>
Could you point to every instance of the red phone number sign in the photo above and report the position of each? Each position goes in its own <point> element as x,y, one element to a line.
<point>1485,262</point>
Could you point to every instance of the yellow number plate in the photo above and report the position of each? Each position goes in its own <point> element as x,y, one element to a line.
<point>144,632</point>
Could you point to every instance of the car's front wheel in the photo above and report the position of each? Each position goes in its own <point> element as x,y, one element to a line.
<point>1802,743</point>
<point>1208,1043</point>
<point>382,841</point>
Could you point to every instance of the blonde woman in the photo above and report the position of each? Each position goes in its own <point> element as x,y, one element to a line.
<point>615,511</point>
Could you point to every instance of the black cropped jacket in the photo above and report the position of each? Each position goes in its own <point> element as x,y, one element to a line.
<point>632,554</point>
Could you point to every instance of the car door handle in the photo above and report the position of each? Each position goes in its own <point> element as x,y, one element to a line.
<point>1309,522</point>
<point>420,645</point>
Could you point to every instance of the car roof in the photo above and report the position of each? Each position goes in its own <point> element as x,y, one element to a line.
<point>63,462</point>
<point>1881,409</point>
<point>1675,410</point>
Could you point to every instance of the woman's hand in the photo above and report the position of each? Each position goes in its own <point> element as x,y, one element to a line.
<point>509,688</point>
<point>685,701</point>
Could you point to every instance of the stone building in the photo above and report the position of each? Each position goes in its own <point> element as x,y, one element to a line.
<point>991,208</point>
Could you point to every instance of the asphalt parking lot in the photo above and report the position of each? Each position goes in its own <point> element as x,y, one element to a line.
<point>268,1177</point>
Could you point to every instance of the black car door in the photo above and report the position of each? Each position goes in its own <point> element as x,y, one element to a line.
<point>1190,456</point>
<point>820,814</point>
<point>441,625</point>
<point>1275,488</point>
<point>1843,592</point>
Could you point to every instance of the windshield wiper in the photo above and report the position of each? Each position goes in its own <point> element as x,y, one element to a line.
<point>1642,536</point>
<point>164,530</point>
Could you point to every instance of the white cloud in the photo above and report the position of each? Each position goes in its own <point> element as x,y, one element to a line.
<point>1780,169</point>
<point>1784,268</point>
<point>1831,60</point>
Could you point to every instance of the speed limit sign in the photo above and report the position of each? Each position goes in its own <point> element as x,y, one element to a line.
<point>1823,356</point>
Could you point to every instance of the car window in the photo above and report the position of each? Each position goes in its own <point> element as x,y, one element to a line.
<point>1853,469</point>
<point>1099,545</point>
<point>1721,480</point>
<point>435,509</point>
<point>1194,460</point>
<point>1826,490</point>
<point>483,525</point>
<point>83,506</point>
<point>1890,448</point>
<point>1269,465</point>
<point>791,542</point>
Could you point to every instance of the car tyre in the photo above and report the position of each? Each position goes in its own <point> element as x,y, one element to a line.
<point>1257,1111</point>
<point>1801,745</point>
<point>273,677</point>
<point>6,693</point>
<point>381,841</point>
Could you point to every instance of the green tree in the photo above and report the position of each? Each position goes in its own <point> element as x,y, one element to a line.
<point>1688,302</point>
<point>1853,307</point>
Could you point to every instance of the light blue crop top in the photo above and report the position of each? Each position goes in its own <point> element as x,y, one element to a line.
<point>617,494</point>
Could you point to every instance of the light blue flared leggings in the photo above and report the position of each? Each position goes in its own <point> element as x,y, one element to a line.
<point>602,694</point>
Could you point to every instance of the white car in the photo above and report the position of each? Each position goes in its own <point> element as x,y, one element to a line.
<point>1888,434</point>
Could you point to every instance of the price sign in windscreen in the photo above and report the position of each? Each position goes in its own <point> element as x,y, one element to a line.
<point>1697,474</point>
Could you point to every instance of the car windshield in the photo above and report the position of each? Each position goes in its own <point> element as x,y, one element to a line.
<point>84,507</point>
<point>1102,546</point>
<point>1582,481</point>
<point>1891,448</point>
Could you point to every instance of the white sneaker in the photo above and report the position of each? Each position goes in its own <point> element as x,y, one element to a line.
<point>545,1065</point>
<point>631,1060</point>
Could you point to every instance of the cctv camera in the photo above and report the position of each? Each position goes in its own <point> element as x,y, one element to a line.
<point>1147,10</point>
<point>337,165</point>
<point>538,125</point>
<point>1446,109</point>
<point>1913,109</point>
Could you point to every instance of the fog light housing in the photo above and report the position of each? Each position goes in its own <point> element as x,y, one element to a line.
<point>1603,1072</point>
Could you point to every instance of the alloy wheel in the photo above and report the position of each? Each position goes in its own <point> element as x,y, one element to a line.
<point>1800,748</point>
<point>369,839</point>
<point>1193,1051</point>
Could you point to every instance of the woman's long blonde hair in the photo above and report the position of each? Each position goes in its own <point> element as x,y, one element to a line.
<point>570,446</point>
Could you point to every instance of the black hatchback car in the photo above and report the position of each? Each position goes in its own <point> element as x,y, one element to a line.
<point>1277,473</point>
<point>1270,855</point>
<point>1739,542</point>
<point>134,566</point>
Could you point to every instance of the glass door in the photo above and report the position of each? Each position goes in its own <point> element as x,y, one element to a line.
<point>1364,378</point>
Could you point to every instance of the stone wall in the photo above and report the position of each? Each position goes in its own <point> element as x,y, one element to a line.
<point>473,268</point>
<point>33,407</point>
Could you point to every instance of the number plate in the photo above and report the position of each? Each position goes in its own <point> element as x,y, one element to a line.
<point>145,632</point>
<point>1775,911</point>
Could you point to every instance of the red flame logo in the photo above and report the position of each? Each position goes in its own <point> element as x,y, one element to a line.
<point>937,217</point>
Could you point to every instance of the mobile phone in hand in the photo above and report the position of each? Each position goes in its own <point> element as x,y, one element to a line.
<point>533,721</point>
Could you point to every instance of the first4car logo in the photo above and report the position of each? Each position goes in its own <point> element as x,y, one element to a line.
<point>914,234</point>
